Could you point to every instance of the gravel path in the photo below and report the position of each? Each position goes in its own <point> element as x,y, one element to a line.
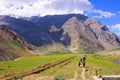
<point>83,74</point>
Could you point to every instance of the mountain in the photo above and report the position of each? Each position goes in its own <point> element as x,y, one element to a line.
<point>89,35</point>
<point>27,29</point>
<point>76,32</point>
<point>12,45</point>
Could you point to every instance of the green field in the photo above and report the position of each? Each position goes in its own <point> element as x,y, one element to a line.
<point>96,64</point>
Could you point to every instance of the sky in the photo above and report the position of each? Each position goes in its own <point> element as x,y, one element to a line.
<point>106,11</point>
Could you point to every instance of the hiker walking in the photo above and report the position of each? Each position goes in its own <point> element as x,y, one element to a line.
<point>84,61</point>
<point>80,62</point>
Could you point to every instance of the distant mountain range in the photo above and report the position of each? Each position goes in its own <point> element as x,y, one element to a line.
<point>74,32</point>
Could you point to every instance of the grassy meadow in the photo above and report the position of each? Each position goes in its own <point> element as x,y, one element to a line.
<point>96,64</point>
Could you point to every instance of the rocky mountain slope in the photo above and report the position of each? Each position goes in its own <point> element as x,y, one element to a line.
<point>8,34</point>
<point>76,32</point>
<point>12,45</point>
<point>89,35</point>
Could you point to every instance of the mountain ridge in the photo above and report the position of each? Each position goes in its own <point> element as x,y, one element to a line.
<point>75,31</point>
<point>6,33</point>
<point>12,45</point>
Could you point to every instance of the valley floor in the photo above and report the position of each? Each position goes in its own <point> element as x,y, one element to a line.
<point>66,70</point>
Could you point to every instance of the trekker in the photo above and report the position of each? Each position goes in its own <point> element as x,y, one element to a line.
<point>80,62</point>
<point>84,58</point>
<point>84,61</point>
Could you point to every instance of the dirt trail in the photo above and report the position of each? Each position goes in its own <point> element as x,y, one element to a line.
<point>83,74</point>
<point>75,76</point>
<point>37,77</point>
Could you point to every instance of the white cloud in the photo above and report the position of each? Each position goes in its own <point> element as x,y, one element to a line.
<point>70,6</point>
<point>103,14</point>
<point>43,7</point>
<point>116,26</point>
<point>49,7</point>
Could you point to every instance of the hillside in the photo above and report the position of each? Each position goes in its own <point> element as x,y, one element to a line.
<point>12,45</point>
<point>76,32</point>
<point>89,35</point>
